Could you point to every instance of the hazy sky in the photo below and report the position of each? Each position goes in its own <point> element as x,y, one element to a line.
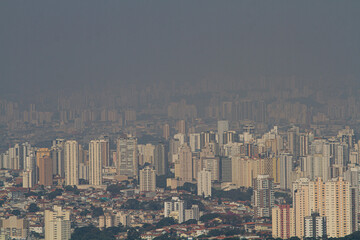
<point>53,44</point>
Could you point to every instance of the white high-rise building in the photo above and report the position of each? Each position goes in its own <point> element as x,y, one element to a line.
<point>147,180</point>
<point>29,174</point>
<point>315,226</point>
<point>57,155</point>
<point>57,224</point>
<point>204,183</point>
<point>317,164</point>
<point>194,141</point>
<point>122,218</point>
<point>14,157</point>
<point>95,162</point>
<point>71,162</point>
<point>175,208</point>
<point>127,160</point>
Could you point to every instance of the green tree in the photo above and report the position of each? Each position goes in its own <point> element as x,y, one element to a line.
<point>16,212</point>
<point>91,233</point>
<point>33,207</point>
<point>114,189</point>
<point>131,204</point>
<point>54,194</point>
<point>209,217</point>
<point>98,211</point>
<point>168,221</point>
<point>133,234</point>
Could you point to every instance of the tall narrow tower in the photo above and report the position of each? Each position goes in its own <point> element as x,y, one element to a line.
<point>127,160</point>
<point>71,162</point>
<point>95,162</point>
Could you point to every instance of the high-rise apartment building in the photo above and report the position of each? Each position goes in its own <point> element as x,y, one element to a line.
<point>194,141</point>
<point>45,171</point>
<point>283,221</point>
<point>337,208</point>
<point>211,164</point>
<point>104,151</point>
<point>30,171</point>
<point>160,159</point>
<point>181,126</point>
<point>166,131</point>
<point>96,161</point>
<point>331,199</point>
<point>175,208</point>
<point>293,141</point>
<point>14,227</point>
<point>147,179</point>
<point>127,160</point>
<point>57,155</point>
<point>204,183</point>
<point>71,162</point>
<point>317,163</point>
<point>263,196</point>
<point>286,165</point>
<point>226,169</point>
<point>244,170</point>
<point>315,226</point>
<point>184,164</point>
<point>57,224</point>
<point>223,126</point>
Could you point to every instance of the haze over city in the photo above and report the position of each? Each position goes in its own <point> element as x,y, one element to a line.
<point>179,119</point>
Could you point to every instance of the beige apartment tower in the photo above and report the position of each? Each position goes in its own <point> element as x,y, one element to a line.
<point>283,221</point>
<point>147,180</point>
<point>95,162</point>
<point>57,224</point>
<point>45,171</point>
<point>331,199</point>
<point>71,162</point>
<point>184,165</point>
<point>204,183</point>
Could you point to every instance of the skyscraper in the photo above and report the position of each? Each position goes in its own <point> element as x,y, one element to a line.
<point>127,160</point>
<point>104,151</point>
<point>96,161</point>
<point>315,226</point>
<point>147,180</point>
<point>263,196</point>
<point>175,208</point>
<point>204,183</point>
<point>286,164</point>
<point>57,224</point>
<point>223,126</point>
<point>331,199</point>
<point>45,171</point>
<point>30,172</point>
<point>293,141</point>
<point>194,140</point>
<point>184,165</point>
<point>57,155</point>
<point>160,159</point>
<point>226,169</point>
<point>282,221</point>
<point>166,131</point>
<point>71,162</point>
<point>181,126</point>
<point>211,164</point>
<point>337,208</point>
